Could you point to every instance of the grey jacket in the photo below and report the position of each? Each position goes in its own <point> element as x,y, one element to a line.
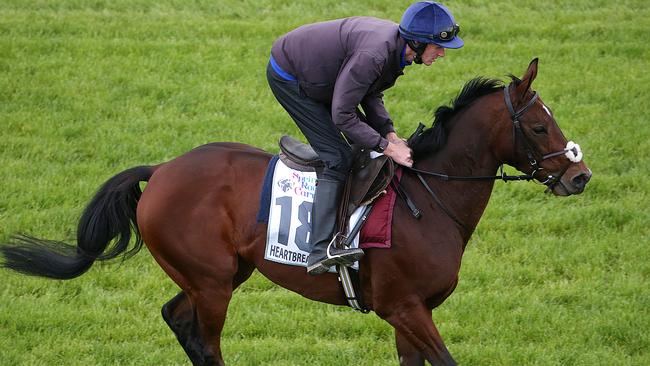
<point>346,63</point>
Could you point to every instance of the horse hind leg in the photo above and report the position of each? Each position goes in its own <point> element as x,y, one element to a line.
<point>198,335</point>
<point>181,316</point>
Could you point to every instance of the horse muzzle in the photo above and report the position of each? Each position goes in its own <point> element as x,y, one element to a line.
<point>574,177</point>
<point>573,181</point>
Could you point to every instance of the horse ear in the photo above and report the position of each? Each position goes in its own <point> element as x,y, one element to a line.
<point>528,78</point>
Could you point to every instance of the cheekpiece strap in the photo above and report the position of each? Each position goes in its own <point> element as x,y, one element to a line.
<point>514,115</point>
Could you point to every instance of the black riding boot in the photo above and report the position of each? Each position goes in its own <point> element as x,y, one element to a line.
<point>324,210</point>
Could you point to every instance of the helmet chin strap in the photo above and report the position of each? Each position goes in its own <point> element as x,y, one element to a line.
<point>419,48</point>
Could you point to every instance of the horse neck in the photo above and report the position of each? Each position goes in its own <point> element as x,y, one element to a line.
<point>467,152</point>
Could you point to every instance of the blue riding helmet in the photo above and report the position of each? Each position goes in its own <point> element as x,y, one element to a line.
<point>430,22</point>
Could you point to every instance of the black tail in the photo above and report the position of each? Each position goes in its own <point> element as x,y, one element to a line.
<point>110,215</point>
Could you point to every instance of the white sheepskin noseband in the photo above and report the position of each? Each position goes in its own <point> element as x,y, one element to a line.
<point>573,152</point>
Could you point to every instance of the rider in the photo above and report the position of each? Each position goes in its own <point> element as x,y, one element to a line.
<point>321,73</point>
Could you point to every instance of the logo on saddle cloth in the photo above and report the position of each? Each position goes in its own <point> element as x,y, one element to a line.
<point>289,220</point>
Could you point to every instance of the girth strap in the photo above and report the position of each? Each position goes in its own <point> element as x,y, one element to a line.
<point>352,287</point>
<point>349,277</point>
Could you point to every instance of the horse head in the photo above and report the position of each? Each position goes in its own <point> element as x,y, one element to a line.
<point>533,142</point>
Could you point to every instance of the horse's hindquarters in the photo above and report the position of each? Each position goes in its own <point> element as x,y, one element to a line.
<point>199,209</point>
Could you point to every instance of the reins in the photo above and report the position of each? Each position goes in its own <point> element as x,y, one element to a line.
<point>503,176</point>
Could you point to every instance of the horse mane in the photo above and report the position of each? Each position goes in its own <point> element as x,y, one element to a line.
<point>434,138</point>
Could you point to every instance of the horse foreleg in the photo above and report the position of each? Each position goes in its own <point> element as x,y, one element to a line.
<point>417,337</point>
<point>408,354</point>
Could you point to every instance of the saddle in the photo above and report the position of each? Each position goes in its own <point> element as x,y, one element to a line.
<point>367,180</point>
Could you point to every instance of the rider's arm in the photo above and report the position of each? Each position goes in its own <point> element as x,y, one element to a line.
<point>352,84</point>
<point>351,87</point>
<point>376,113</point>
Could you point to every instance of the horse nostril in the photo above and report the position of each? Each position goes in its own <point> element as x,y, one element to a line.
<point>580,180</point>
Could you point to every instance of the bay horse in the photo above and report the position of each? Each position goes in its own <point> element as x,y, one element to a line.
<point>197,215</point>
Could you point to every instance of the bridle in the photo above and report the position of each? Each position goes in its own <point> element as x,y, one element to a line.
<point>571,151</point>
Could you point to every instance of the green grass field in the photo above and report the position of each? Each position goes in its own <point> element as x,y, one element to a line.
<point>89,88</point>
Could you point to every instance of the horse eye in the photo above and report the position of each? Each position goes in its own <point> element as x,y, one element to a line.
<point>539,129</point>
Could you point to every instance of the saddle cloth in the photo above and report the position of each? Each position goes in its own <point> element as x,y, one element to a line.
<point>285,205</point>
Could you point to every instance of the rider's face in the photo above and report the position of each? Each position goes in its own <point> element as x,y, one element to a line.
<point>431,53</point>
